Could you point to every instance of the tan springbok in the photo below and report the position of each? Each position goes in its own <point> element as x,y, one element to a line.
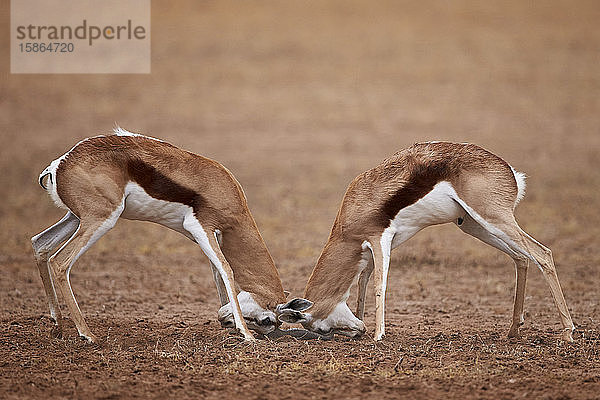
<point>426,184</point>
<point>131,176</point>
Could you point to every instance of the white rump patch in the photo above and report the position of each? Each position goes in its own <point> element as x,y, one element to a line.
<point>51,181</point>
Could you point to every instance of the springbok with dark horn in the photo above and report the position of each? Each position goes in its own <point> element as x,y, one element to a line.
<point>135,177</point>
<point>426,184</point>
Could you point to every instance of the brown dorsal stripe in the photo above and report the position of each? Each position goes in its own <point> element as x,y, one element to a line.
<point>422,179</point>
<point>161,187</point>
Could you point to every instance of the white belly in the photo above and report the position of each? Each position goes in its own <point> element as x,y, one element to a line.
<point>436,207</point>
<point>139,205</point>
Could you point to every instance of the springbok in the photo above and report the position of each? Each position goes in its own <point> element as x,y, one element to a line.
<point>131,176</point>
<point>426,184</point>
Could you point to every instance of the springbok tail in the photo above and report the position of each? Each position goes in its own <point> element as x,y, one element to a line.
<point>51,183</point>
<point>49,171</point>
<point>46,172</point>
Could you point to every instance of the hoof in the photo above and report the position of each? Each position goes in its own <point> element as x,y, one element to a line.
<point>249,338</point>
<point>567,336</point>
<point>50,318</point>
<point>88,338</point>
<point>514,333</point>
<point>56,332</point>
<point>227,324</point>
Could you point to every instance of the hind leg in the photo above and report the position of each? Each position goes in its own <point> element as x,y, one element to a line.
<point>44,244</point>
<point>470,226</point>
<point>543,258</point>
<point>504,233</point>
<point>520,242</point>
<point>91,228</point>
<point>521,266</point>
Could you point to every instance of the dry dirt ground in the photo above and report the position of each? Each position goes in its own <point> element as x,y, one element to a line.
<point>297,98</point>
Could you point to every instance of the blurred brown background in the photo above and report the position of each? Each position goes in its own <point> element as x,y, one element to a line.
<point>297,98</point>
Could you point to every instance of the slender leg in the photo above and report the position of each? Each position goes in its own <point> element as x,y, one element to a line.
<point>90,230</point>
<point>221,290</point>
<point>521,276</point>
<point>44,244</point>
<point>381,249</point>
<point>210,247</point>
<point>362,289</point>
<point>506,235</point>
<point>520,242</point>
<point>229,283</point>
<point>470,226</point>
<point>543,257</point>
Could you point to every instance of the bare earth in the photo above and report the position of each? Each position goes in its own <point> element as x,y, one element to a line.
<point>296,99</point>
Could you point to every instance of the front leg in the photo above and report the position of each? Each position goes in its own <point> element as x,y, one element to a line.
<point>221,290</point>
<point>209,245</point>
<point>362,289</point>
<point>381,259</point>
<point>227,275</point>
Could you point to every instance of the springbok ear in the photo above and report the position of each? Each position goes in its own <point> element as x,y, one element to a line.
<point>295,305</point>
<point>291,316</point>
